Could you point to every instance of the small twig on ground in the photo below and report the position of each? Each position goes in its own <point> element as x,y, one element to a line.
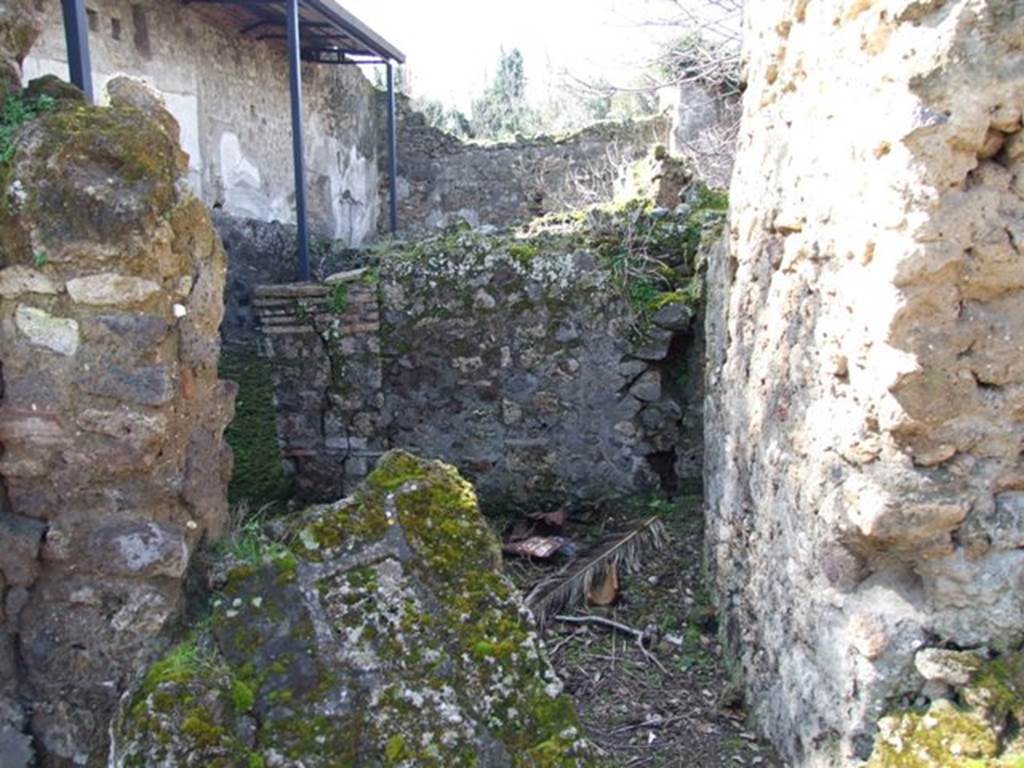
<point>650,656</point>
<point>656,722</point>
<point>561,643</point>
<point>602,621</point>
<point>637,634</point>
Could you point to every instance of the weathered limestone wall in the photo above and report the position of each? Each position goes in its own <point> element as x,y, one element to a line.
<point>112,467</point>
<point>866,376</point>
<point>230,96</point>
<point>442,180</point>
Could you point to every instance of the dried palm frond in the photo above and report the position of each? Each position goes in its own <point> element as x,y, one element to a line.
<point>622,551</point>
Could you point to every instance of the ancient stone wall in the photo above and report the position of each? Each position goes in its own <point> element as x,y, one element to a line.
<point>528,373</point>
<point>705,119</point>
<point>265,253</point>
<point>442,180</point>
<point>524,362</point>
<point>865,414</point>
<point>230,96</point>
<point>324,344</point>
<point>112,470</point>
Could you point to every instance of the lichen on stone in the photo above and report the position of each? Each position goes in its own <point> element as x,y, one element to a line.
<point>650,256</point>
<point>55,151</point>
<point>980,729</point>
<point>397,642</point>
<point>112,280</point>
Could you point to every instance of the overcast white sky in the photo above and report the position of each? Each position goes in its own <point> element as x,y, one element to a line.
<point>453,45</point>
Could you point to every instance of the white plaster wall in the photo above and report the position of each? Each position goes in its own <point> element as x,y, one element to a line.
<point>231,100</point>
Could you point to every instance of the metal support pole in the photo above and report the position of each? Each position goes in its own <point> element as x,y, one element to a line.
<point>295,72</point>
<point>392,151</point>
<point>76,32</point>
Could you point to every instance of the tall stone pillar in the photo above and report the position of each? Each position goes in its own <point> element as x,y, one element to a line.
<point>112,469</point>
<point>865,416</point>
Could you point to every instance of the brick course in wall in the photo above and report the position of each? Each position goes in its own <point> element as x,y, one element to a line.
<point>324,342</point>
<point>529,377</point>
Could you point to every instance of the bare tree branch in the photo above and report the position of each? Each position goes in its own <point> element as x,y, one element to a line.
<point>702,64</point>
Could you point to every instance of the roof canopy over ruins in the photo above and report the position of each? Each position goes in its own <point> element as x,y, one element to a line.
<point>329,33</point>
<point>316,31</point>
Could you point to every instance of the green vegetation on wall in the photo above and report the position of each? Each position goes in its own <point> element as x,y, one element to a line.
<point>653,257</point>
<point>656,257</point>
<point>17,110</point>
<point>258,476</point>
<point>980,728</point>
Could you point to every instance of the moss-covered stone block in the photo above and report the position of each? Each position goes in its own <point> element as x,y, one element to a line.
<point>394,641</point>
<point>54,165</point>
<point>980,729</point>
<point>941,735</point>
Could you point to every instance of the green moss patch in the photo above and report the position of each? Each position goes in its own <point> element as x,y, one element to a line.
<point>650,257</point>
<point>981,729</point>
<point>942,735</point>
<point>997,688</point>
<point>258,477</point>
<point>137,145</point>
<point>394,641</point>
<point>16,111</point>
<point>57,159</point>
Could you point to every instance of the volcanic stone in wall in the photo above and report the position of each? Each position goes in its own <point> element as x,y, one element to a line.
<point>865,418</point>
<point>553,365</point>
<point>263,253</point>
<point>558,363</point>
<point>442,180</point>
<point>523,362</point>
<point>383,634</point>
<point>113,468</point>
<point>259,253</point>
<point>324,345</point>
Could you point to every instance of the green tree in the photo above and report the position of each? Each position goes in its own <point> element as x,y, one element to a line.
<point>502,111</point>
<point>449,120</point>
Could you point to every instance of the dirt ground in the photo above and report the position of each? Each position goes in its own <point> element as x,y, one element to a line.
<point>672,705</point>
